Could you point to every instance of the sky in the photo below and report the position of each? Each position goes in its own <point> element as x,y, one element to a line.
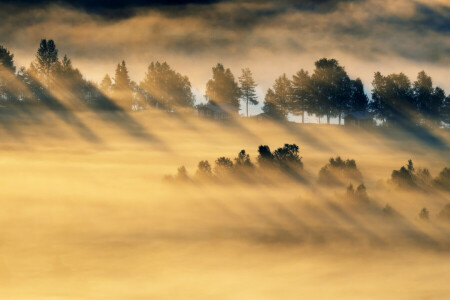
<point>269,37</point>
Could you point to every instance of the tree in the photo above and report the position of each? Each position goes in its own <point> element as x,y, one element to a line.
<point>167,87</point>
<point>122,86</point>
<point>331,88</point>
<point>6,60</point>
<point>243,160</point>
<point>339,171</point>
<point>358,98</point>
<point>437,104</point>
<point>302,97</point>
<point>204,169</point>
<point>106,85</point>
<point>247,88</point>
<point>428,100</point>
<point>223,166</point>
<point>121,78</point>
<point>445,111</point>
<point>47,61</point>
<point>7,70</point>
<point>424,214</point>
<point>288,158</point>
<point>270,106</point>
<point>392,97</point>
<point>278,99</point>
<point>222,88</point>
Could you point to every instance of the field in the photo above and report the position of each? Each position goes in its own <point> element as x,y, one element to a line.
<point>86,212</point>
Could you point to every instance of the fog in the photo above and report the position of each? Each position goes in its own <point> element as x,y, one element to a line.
<point>365,36</point>
<point>86,212</point>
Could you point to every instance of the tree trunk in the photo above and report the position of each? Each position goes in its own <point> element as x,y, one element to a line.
<point>339,118</point>
<point>303,117</point>
<point>319,119</point>
<point>328,119</point>
<point>247,107</point>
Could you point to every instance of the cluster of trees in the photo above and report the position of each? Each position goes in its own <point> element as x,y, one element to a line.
<point>359,194</point>
<point>408,177</point>
<point>285,159</point>
<point>328,91</point>
<point>49,77</point>
<point>443,215</point>
<point>339,171</point>
<point>396,99</point>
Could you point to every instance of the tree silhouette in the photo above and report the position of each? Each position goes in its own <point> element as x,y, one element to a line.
<point>424,214</point>
<point>166,87</point>
<point>288,157</point>
<point>265,157</point>
<point>247,87</point>
<point>270,106</point>
<point>360,194</point>
<point>7,70</point>
<point>331,88</point>
<point>445,111</point>
<point>223,88</point>
<point>392,98</point>
<point>6,60</point>
<point>122,87</point>
<point>243,160</point>
<point>47,61</point>
<point>106,85</point>
<point>204,169</point>
<point>121,78</point>
<point>358,98</point>
<point>408,177</point>
<point>302,93</point>
<point>338,171</point>
<point>428,100</point>
<point>223,167</point>
<point>279,98</point>
<point>442,181</point>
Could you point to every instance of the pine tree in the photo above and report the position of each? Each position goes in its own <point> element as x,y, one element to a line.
<point>106,84</point>
<point>7,70</point>
<point>121,78</point>
<point>47,61</point>
<point>6,60</point>
<point>247,88</point>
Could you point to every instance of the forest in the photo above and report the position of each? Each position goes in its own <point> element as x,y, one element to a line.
<point>326,92</point>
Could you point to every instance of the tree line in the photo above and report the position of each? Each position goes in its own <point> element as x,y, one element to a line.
<point>327,91</point>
